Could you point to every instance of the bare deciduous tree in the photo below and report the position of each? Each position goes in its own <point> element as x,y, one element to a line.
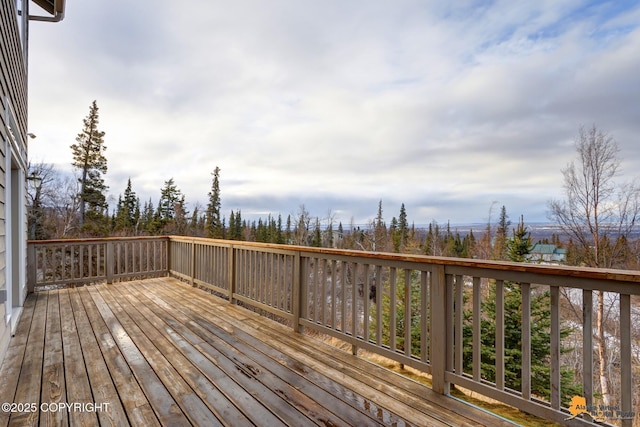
<point>596,212</point>
<point>302,227</point>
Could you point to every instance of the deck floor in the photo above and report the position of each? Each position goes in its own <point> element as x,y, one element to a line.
<point>159,352</point>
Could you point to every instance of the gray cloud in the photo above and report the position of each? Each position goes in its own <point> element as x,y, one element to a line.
<point>446,108</point>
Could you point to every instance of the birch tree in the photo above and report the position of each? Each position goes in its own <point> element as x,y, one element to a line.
<point>597,210</point>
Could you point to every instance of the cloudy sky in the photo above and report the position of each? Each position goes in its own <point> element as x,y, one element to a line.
<point>444,106</point>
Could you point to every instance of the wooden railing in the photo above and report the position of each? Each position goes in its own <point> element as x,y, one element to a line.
<point>423,312</point>
<point>76,262</point>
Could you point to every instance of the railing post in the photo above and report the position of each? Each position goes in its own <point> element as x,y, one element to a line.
<point>440,324</point>
<point>168,255</point>
<point>109,261</point>
<point>31,267</point>
<point>232,272</point>
<point>526,341</point>
<point>587,342</point>
<point>626,366</point>
<point>192,267</point>
<point>296,302</point>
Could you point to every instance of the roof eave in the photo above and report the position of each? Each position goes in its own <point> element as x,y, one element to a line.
<point>53,7</point>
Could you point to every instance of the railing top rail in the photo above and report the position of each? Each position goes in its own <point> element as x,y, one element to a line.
<point>625,276</point>
<point>629,276</point>
<point>94,240</point>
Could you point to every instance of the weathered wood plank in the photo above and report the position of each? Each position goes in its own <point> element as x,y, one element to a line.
<point>192,407</point>
<point>313,371</point>
<point>342,401</point>
<point>30,381</point>
<point>78,387</point>
<point>343,369</point>
<point>134,401</point>
<point>241,372</point>
<point>318,403</point>
<point>10,372</point>
<point>53,380</point>
<point>170,344</point>
<point>240,358</point>
<point>175,355</point>
<point>102,387</point>
<point>163,404</point>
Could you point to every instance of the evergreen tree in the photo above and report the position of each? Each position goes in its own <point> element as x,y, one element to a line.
<point>254,231</point>
<point>180,223</point>
<point>279,234</point>
<point>194,222</point>
<point>518,248</point>
<point>232,224</point>
<point>288,233</point>
<point>239,226</point>
<point>89,160</point>
<point>395,235</point>
<point>430,241</point>
<point>400,307</point>
<point>260,232</point>
<point>502,232</point>
<point>379,231</point>
<point>520,245</point>
<point>170,206</point>
<point>316,241</point>
<point>213,222</point>
<point>330,235</point>
<point>234,234</point>
<point>127,212</point>
<point>403,228</point>
<point>148,221</point>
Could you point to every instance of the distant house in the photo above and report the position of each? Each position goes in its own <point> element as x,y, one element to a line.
<point>547,253</point>
<point>14,22</point>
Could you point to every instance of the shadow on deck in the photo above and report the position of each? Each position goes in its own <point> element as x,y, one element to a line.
<point>159,352</point>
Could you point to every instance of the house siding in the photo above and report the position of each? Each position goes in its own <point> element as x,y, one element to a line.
<point>13,109</point>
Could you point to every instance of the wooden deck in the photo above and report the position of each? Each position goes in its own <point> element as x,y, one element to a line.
<point>159,352</point>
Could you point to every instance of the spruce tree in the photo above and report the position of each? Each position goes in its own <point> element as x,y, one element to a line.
<point>171,207</point>
<point>127,212</point>
<point>403,228</point>
<point>239,226</point>
<point>395,234</point>
<point>288,233</point>
<point>89,160</point>
<point>502,234</point>
<point>380,231</point>
<point>518,248</point>
<point>232,225</point>
<point>279,233</point>
<point>194,222</point>
<point>316,241</point>
<point>148,222</point>
<point>212,218</point>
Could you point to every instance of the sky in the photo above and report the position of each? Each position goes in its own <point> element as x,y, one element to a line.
<point>452,108</point>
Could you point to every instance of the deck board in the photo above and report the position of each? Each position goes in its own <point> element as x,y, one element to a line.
<point>9,377</point>
<point>134,402</point>
<point>30,380</point>
<point>75,367</point>
<point>53,382</point>
<point>160,352</point>
<point>102,386</point>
